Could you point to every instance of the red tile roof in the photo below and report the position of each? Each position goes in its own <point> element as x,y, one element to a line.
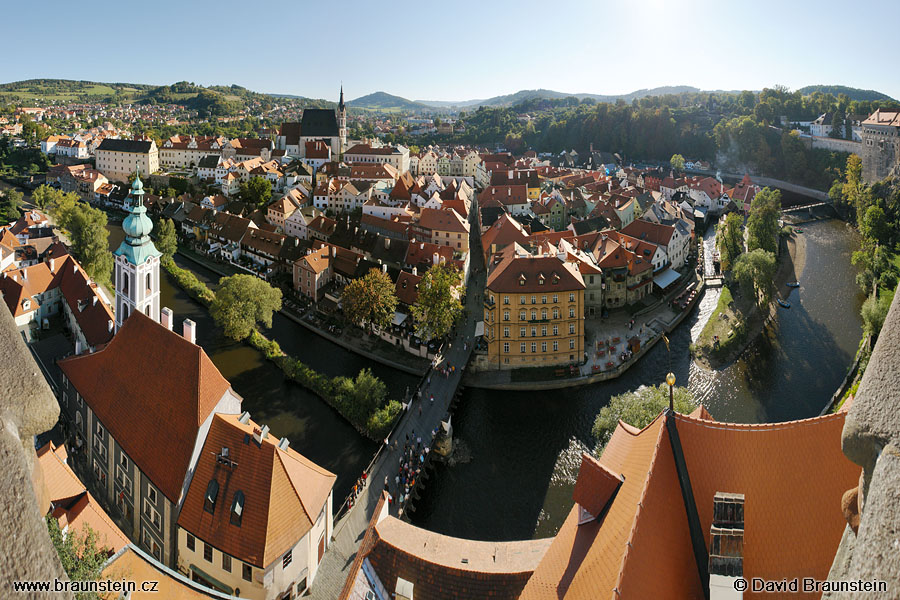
<point>434,219</point>
<point>529,273</point>
<point>151,389</point>
<point>407,288</point>
<point>284,494</point>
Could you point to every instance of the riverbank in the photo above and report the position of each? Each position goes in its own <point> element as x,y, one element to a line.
<point>362,400</point>
<point>365,347</point>
<point>735,324</point>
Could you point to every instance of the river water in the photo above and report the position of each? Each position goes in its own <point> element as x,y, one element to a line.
<point>522,450</point>
<point>313,428</point>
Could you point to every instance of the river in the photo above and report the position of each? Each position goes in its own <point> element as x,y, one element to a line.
<point>313,428</point>
<point>522,450</point>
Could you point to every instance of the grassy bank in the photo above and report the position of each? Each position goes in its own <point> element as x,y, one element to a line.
<point>361,400</point>
<point>728,324</point>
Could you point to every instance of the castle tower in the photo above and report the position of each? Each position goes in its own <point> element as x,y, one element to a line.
<point>136,276</point>
<point>342,122</point>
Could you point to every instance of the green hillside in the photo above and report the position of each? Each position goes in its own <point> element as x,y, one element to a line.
<point>853,93</point>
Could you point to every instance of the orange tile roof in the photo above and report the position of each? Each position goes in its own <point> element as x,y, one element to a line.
<point>791,474</point>
<point>133,565</point>
<point>595,485</point>
<point>151,389</point>
<point>284,493</point>
<point>73,504</point>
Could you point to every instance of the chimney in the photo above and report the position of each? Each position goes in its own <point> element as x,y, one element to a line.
<point>415,272</point>
<point>436,258</point>
<point>260,434</point>
<point>384,268</point>
<point>726,546</point>
<point>284,443</point>
<point>333,251</point>
<point>94,301</point>
<point>190,331</point>
<point>387,243</point>
<point>110,325</point>
<point>404,589</point>
<point>52,265</point>
<point>24,274</point>
<point>244,418</point>
<point>167,317</point>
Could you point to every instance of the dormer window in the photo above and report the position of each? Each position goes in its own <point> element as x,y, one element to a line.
<point>212,492</point>
<point>237,508</point>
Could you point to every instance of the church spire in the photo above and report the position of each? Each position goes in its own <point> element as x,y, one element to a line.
<point>341,103</point>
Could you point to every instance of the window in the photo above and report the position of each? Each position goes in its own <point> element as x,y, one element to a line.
<point>543,346</point>
<point>521,299</point>
<point>555,313</point>
<point>65,399</point>
<point>123,461</point>
<point>522,332</point>
<point>555,346</point>
<point>207,552</point>
<point>506,315</point>
<point>522,347</point>
<point>79,422</point>
<point>122,479</point>
<point>286,560</point>
<point>571,313</point>
<point>533,315</point>
<point>544,331</point>
<point>506,332</point>
<point>556,330</point>
<point>191,542</point>
<point>591,279</point>
<point>99,430</point>
<point>533,347</point>
<point>523,315</point>
<point>544,314</point>
<point>212,492</point>
<point>247,572</point>
<point>99,474</point>
<point>151,493</point>
<point>506,346</point>
<point>543,299</point>
<point>534,299</point>
<point>79,400</point>
<point>571,327</point>
<point>555,298</point>
<point>505,299</point>
<point>237,508</point>
<point>572,344</point>
<point>152,515</point>
<point>226,563</point>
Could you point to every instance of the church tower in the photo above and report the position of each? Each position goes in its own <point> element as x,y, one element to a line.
<point>137,263</point>
<point>342,123</point>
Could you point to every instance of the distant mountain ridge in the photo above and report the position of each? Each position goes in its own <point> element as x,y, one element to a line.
<point>385,101</point>
<point>852,93</point>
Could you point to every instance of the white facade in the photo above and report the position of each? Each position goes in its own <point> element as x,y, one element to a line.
<point>137,288</point>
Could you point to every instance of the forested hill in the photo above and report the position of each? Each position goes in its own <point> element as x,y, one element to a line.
<point>850,92</point>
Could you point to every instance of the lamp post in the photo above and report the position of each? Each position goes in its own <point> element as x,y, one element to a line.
<point>670,379</point>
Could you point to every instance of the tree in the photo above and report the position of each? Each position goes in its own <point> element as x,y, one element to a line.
<point>755,271</point>
<point>370,300</point>
<point>166,241</point>
<point>762,224</point>
<point>639,408</point>
<point>78,552</point>
<point>90,241</point>
<point>44,196</point>
<point>256,192</point>
<point>874,311</point>
<point>10,205</point>
<point>438,306</point>
<point>677,162</point>
<point>241,302</point>
<point>874,226</point>
<point>730,240</point>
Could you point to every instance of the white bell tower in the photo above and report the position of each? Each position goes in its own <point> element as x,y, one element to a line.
<point>137,263</point>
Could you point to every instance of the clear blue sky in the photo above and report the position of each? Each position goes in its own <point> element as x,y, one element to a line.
<point>456,49</point>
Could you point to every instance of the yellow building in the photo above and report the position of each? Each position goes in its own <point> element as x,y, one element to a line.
<point>534,312</point>
<point>117,159</point>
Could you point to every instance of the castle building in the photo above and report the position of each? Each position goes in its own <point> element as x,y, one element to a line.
<point>880,144</point>
<point>137,263</point>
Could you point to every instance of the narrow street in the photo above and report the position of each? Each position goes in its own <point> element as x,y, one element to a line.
<point>350,529</point>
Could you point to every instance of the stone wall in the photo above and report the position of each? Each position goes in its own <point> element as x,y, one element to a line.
<point>871,438</point>
<point>27,408</point>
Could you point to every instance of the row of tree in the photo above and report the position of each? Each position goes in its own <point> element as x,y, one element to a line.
<point>370,301</point>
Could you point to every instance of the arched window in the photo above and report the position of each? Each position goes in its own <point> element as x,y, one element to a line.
<point>124,282</point>
<point>212,492</point>
<point>149,281</point>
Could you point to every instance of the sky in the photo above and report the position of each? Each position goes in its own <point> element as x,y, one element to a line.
<point>456,49</point>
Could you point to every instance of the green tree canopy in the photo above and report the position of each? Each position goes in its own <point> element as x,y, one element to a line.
<point>438,306</point>
<point>166,241</point>
<point>90,241</point>
<point>874,227</point>
<point>639,408</point>
<point>677,162</point>
<point>241,302</point>
<point>78,551</point>
<point>874,311</point>
<point>755,271</point>
<point>44,196</point>
<point>762,224</point>
<point>256,192</point>
<point>10,204</point>
<point>370,300</point>
<point>730,240</point>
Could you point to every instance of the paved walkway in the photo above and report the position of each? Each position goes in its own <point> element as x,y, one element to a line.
<point>349,531</point>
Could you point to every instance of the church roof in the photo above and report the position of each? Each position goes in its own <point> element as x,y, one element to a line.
<point>318,122</point>
<point>151,389</point>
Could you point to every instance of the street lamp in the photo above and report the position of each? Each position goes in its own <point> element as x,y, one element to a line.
<point>670,379</point>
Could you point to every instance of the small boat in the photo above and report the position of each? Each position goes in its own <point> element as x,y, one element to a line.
<point>782,303</point>
<point>793,284</point>
<point>798,231</point>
